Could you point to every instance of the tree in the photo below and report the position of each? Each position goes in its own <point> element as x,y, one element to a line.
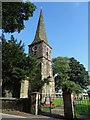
<point>72,75</point>
<point>34,74</point>
<point>78,73</point>
<point>13,58</point>
<point>17,66</point>
<point>60,67</point>
<point>14,14</point>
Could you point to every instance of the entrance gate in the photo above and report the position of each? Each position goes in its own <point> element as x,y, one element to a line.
<point>51,104</point>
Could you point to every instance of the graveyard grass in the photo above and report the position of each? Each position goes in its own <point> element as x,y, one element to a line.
<point>57,102</point>
<point>82,108</point>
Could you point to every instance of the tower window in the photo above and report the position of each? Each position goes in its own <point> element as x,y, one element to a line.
<point>47,68</point>
<point>46,51</point>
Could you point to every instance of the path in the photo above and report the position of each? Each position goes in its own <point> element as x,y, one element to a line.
<point>58,110</point>
<point>18,114</point>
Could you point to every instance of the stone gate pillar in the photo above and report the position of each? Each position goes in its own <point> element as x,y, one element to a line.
<point>34,103</point>
<point>24,89</point>
<point>68,105</point>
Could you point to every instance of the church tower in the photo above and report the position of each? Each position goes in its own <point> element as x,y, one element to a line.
<point>42,49</point>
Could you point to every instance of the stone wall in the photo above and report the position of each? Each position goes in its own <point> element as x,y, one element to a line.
<point>23,105</point>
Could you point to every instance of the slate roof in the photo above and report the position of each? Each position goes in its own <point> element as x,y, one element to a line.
<point>40,32</point>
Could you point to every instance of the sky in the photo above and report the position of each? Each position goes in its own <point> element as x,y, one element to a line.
<point>66,25</point>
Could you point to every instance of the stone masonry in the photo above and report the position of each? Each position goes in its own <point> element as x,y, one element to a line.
<point>41,47</point>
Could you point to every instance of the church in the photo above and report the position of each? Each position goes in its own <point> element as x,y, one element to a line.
<point>42,49</point>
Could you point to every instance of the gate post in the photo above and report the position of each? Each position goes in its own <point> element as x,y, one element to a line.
<point>34,103</point>
<point>68,105</point>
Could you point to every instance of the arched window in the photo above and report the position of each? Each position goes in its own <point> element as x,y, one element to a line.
<point>47,69</point>
<point>46,51</point>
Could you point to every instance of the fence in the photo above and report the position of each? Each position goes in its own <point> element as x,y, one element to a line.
<point>82,106</point>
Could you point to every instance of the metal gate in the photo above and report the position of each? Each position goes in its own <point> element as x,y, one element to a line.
<point>51,104</point>
<point>82,107</point>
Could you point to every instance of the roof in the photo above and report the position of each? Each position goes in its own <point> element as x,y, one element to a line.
<point>40,32</point>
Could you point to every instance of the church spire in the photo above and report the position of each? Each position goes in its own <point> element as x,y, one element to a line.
<point>40,32</point>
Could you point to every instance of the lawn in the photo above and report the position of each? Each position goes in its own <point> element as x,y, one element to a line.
<point>57,102</point>
<point>82,107</point>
